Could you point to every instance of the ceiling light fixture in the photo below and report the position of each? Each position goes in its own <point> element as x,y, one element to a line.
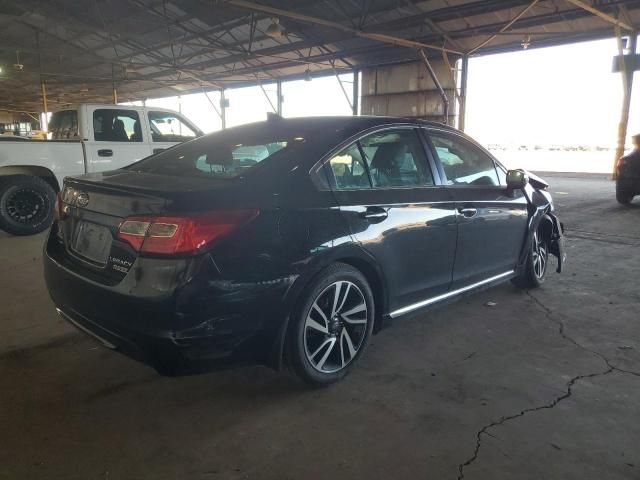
<point>275,30</point>
<point>307,75</point>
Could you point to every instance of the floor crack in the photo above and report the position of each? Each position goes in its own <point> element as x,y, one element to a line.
<point>485,430</point>
<point>561,330</point>
<point>569,386</point>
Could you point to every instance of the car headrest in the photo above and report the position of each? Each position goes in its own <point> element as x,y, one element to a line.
<point>220,156</point>
<point>389,156</point>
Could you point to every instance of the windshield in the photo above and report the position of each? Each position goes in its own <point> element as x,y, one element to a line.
<point>227,154</point>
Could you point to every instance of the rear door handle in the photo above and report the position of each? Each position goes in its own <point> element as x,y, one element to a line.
<point>375,214</point>
<point>468,212</point>
<point>105,153</point>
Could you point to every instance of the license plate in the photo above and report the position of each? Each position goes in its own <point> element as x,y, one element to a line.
<point>92,242</point>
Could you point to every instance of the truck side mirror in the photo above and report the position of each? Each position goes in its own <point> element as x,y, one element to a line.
<point>516,180</point>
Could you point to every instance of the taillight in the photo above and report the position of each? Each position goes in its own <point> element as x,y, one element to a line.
<point>173,235</point>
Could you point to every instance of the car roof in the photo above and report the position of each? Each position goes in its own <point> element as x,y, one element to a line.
<point>362,122</point>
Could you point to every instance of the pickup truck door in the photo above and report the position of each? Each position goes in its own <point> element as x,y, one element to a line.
<point>168,129</point>
<point>117,137</point>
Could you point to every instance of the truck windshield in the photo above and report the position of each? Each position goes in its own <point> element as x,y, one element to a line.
<point>227,154</point>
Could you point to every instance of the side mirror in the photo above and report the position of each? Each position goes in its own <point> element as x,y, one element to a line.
<point>516,180</point>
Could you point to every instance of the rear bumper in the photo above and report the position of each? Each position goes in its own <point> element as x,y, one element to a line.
<point>177,327</point>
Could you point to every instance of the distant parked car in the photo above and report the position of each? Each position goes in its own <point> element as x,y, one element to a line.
<point>291,241</point>
<point>628,175</point>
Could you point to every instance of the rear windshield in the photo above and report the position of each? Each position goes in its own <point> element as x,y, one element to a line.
<point>64,125</point>
<point>227,154</point>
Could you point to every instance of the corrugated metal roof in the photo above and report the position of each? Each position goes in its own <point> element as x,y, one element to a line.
<point>151,48</point>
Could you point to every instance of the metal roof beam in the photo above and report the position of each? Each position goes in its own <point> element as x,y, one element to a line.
<point>601,14</point>
<point>380,37</point>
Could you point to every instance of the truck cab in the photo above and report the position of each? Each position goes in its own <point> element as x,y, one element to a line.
<point>88,138</point>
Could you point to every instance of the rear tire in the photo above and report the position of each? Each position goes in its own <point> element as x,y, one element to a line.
<point>332,325</point>
<point>535,269</point>
<point>26,204</point>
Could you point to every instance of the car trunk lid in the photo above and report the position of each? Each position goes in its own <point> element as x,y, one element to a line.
<point>94,206</point>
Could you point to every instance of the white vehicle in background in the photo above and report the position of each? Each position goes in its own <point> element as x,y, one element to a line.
<point>85,139</point>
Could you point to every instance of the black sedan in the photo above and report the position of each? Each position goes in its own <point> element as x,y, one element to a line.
<point>291,241</point>
<point>628,174</point>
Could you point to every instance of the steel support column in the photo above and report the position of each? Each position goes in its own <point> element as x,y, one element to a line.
<point>45,107</point>
<point>223,109</point>
<point>356,92</point>
<point>627,81</point>
<point>464,75</point>
<point>279,95</point>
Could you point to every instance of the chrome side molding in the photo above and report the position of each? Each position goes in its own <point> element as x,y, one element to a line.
<point>444,296</point>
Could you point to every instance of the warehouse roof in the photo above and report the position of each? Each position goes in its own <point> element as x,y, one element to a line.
<point>152,48</point>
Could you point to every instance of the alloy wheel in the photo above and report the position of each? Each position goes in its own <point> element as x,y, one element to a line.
<point>540,256</point>
<point>26,206</point>
<point>335,327</point>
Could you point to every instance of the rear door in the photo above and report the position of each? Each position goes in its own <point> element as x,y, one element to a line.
<point>396,209</point>
<point>491,223</point>
<point>117,138</point>
<point>168,129</point>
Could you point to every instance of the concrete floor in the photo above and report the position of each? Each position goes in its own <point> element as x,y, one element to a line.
<point>544,384</point>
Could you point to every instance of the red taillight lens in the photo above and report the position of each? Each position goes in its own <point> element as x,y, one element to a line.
<point>180,235</point>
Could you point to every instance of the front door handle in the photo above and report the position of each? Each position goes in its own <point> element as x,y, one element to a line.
<point>105,153</point>
<point>468,212</point>
<point>375,214</point>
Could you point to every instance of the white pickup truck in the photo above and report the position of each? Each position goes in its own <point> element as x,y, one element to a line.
<point>85,139</point>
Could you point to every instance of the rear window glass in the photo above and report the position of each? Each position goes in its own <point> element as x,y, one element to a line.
<point>225,154</point>
<point>64,125</point>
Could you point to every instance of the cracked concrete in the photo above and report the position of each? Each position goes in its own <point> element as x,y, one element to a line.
<point>541,385</point>
<point>561,330</point>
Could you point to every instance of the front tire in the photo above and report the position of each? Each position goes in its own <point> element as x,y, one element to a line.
<point>535,269</point>
<point>26,204</point>
<point>332,326</point>
<point>623,197</point>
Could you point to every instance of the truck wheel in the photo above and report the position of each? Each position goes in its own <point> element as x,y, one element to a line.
<point>26,204</point>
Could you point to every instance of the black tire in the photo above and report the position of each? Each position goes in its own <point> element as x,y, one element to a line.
<point>623,197</point>
<point>26,204</point>
<point>344,335</point>
<point>537,262</point>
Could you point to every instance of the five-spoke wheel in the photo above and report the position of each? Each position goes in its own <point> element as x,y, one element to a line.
<point>332,326</point>
<point>335,326</point>
<point>535,268</point>
<point>540,255</point>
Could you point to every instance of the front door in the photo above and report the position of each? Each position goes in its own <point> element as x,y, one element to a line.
<point>398,213</point>
<point>491,223</point>
<point>118,139</point>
